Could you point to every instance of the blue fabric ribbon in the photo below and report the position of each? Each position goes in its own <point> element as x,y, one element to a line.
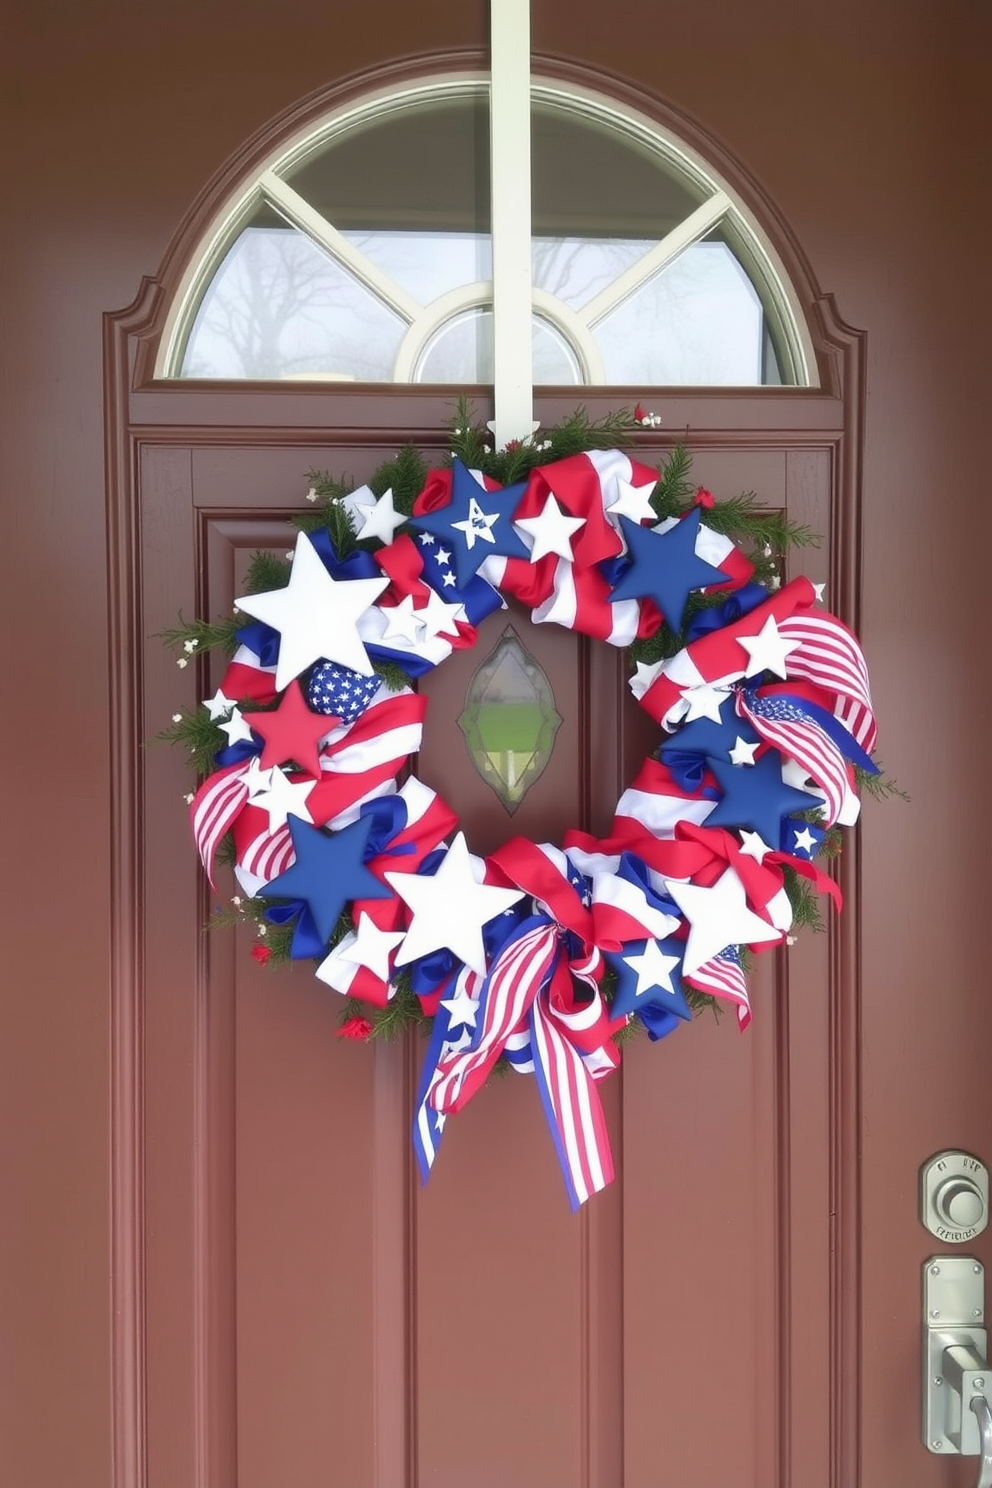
<point>687,766</point>
<point>261,639</point>
<point>236,754</point>
<point>736,605</point>
<point>306,944</point>
<point>658,1021</point>
<point>389,819</point>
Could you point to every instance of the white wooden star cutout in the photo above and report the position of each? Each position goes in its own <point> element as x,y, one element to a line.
<point>316,616</point>
<point>743,753</point>
<point>403,622</point>
<point>551,531</point>
<point>718,917</point>
<point>654,969</point>
<point>462,1009</point>
<point>438,617</point>
<point>753,845</point>
<point>218,705</point>
<point>633,502</point>
<point>371,946</point>
<point>284,798</point>
<point>237,728</point>
<point>767,650</point>
<point>704,701</point>
<point>450,908</point>
<point>381,520</point>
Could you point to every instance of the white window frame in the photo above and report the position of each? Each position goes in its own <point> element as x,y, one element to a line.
<point>721,206</point>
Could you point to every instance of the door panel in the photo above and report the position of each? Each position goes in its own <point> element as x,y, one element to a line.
<point>308,1303</point>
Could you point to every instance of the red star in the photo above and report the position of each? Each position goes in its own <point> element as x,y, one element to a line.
<point>291,732</point>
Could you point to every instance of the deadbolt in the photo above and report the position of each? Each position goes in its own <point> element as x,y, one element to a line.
<point>954,1196</point>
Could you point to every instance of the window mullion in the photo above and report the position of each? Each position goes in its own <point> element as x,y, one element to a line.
<point>511,220</point>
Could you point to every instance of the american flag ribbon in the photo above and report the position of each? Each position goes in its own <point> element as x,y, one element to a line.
<point>723,976</point>
<point>571,1104</point>
<point>214,809</point>
<point>830,656</point>
<point>783,723</point>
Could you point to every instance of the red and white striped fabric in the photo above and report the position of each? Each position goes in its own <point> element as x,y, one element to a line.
<point>214,809</point>
<point>802,739</point>
<point>656,803</point>
<point>572,1104</point>
<point>511,986</point>
<point>830,655</point>
<point>723,976</point>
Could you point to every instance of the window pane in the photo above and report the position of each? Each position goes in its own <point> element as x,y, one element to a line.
<point>279,306</point>
<point>462,351</point>
<point>699,322</point>
<point>428,264</point>
<point>423,168</point>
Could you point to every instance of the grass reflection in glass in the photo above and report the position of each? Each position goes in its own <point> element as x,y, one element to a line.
<point>509,720</point>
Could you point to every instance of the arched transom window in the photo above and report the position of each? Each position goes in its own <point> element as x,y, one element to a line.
<point>361,252</point>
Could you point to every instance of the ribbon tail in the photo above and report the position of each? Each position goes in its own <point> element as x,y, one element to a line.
<point>573,1109</point>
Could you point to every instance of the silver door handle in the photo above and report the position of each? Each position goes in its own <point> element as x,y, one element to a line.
<point>957,1382</point>
<point>980,1406</point>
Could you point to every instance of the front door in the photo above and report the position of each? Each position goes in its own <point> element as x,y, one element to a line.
<point>313,1315</point>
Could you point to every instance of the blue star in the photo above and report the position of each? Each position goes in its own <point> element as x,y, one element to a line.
<point>328,872</point>
<point>755,796</point>
<point>649,974</point>
<point>664,567</point>
<point>703,736</point>
<point>476,524</point>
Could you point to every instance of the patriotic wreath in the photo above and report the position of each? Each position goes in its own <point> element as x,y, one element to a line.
<point>538,957</point>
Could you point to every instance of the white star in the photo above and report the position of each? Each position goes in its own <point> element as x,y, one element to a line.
<point>718,917</point>
<point>439,617</point>
<point>236,728</point>
<point>654,969</point>
<point>462,1008</point>
<point>754,846</point>
<point>218,705</point>
<point>284,798</point>
<point>381,520</point>
<point>449,581</point>
<point>427,539</point>
<point>403,622</point>
<point>257,779</point>
<point>805,840</point>
<point>478,524</point>
<point>450,908</point>
<point>767,650</point>
<point>633,502</point>
<point>704,701</point>
<point>743,753</point>
<point>443,557</point>
<point>315,615</point>
<point>646,675</point>
<point>551,531</point>
<point>371,946</point>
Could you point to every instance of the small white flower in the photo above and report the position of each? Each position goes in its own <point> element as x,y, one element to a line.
<point>188,798</point>
<point>177,718</point>
<point>181,662</point>
<point>190,646</point>
<point>236,900</point>
<point>289,557</point>
<point>311,494</point>
<point>774,582</point>
<point>790,940</point>
<point>768,550</point>
<point>262,929</point>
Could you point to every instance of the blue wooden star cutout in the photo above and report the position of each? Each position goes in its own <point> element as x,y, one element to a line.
<point>649,974</point>
<point>664,566</point>
<point>755,796</point>
<point>328,872</point>
<point>704,736</point>
<point>476,524</point>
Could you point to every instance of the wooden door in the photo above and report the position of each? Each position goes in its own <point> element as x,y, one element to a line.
<point>312,1314</point>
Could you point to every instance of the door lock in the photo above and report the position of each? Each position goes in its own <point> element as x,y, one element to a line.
<point>954,1197</point>
<point>957,1381</point>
